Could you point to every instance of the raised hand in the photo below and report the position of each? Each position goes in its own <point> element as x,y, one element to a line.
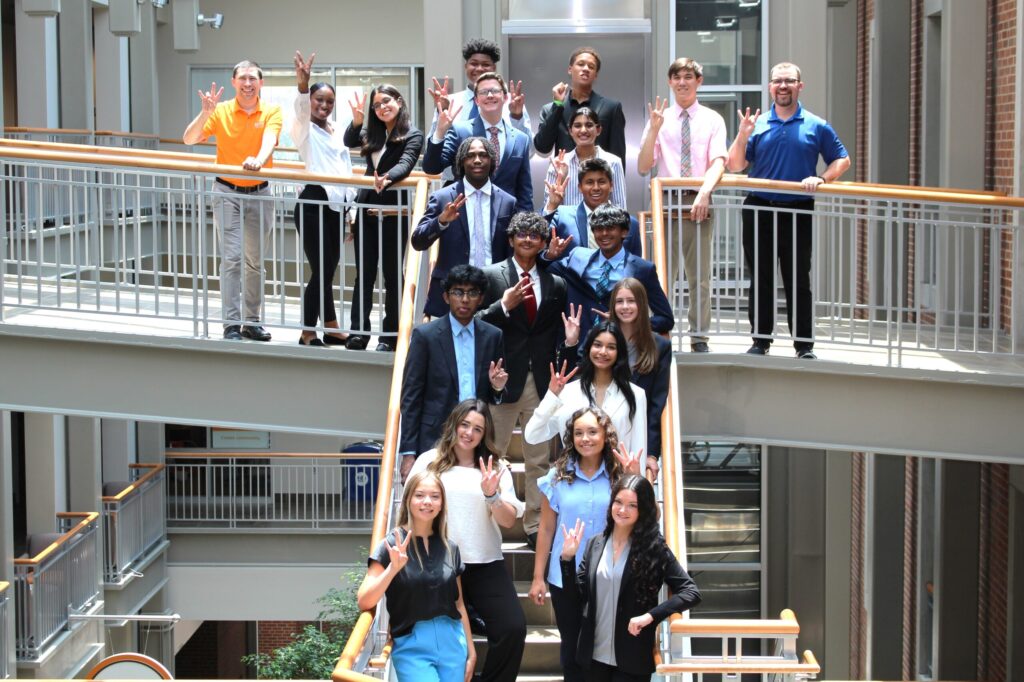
<point>446,118</point>
<point>302,69</point>
<point>489,476</point>
<point>358,106</point>
<point>517,293</point>
<point>557,245</point>
<point>603,314</point>
<point>516,98</point>
<point>657,112</point>
<point>399,554</point>
<point>630,463</point>
<point>747,121</point>
<point>572,324</point>
<point>638,623</point>
<point>556,192</point>
<point>561,169</point>
<point>439,93</point>
<point>451,210</point>
<point>497,374</point>
<point>571,539</point>
<point>559,379</point>
<point>380,182</point>
<point>211,98</point>
<point>560,91</point>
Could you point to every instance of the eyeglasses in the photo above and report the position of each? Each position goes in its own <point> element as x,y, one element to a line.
<point>488,92</point>
<point>384,101</point>
<point>463,293</point>
<point>524,234</point>
<point>784,81</point>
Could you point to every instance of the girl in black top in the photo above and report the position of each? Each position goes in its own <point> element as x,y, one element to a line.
<point>390,145</point>
<point>630,560</point>
<point>418,569</point>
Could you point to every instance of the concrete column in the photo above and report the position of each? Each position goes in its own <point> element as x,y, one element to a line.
<point>149,442</point>
<point>85,474</point>
<point>884,563</point>
<point>442,53</point>
<point>838,540</point>
<point>962,134</point>
<point>77,93</point>
<point>144,83</point>
<point>118,448</point>
<point>798,33</point>
<point>113,94</point>
<point>46,473</point>
<point>889,143</point>
<point>7,530</point>
<point>37,80</point>
<point>842,73</point>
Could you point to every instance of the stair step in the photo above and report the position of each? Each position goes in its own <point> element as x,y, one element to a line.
<point>541,657</point>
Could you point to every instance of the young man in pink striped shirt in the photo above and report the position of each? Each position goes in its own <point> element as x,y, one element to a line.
<point>687,140</point>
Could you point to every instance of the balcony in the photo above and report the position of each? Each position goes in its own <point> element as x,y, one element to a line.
<point>133,522</point>
<point>59,578</point>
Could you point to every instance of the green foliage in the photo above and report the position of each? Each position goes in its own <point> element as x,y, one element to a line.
<point>312,653</point>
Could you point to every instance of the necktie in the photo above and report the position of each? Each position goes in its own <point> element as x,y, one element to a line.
<point>473,111</point>
<point>684,146</point>
<point>604,282</point>
<point>529,304</point>
<point>479,259</point>
<point>493,130</point>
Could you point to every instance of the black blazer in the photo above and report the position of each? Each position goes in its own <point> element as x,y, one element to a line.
<point>527,347</point>
<point>553,130</point>
<point>397,161</point>
<point>655,385</point>
<point>430,385</point>
<point>634,655</point>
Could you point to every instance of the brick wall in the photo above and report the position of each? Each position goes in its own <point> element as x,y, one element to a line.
<point>1001,103</point>
<point>865,13</point>
<point>274,634</point>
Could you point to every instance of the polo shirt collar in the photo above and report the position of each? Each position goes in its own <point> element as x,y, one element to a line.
<point>797,116</point>
<point>236,107</point>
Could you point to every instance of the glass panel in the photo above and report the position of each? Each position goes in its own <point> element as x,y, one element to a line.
<point>727,104</point>
<point>727,594</point>
<point>925,566</point>
<point>722,490</point>
<point>725,37</point>
<point>532,10</point>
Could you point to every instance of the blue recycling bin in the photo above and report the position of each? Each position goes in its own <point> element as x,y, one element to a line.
<point>362,476</point>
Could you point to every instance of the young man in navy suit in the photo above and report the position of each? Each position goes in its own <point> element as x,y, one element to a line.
<point>592,272</point>
<point>469,217</point>
<point>512,171</point>
<point>451,359</point>
<point>595,183</point>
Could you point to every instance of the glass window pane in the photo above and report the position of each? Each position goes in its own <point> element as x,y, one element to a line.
<point>532,10</point>
<point>725,37</point>
<point>723,503</point>
<point>727,104</point>
<point>727,594</point>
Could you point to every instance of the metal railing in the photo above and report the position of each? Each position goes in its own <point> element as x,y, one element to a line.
<point>893,268</point>
<point>4,672</point>
<point>133,522</point>
<point>117,232</point>
<point>61,579</point>
<point>271,491</point>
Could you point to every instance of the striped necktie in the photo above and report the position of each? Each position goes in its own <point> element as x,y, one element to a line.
<point>685,168</point>
<point>604,282</point>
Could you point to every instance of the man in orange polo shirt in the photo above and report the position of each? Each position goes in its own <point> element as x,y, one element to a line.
<point>243,211</point>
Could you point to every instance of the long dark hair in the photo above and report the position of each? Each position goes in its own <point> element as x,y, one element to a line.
<point>571,456</point>
<point>375,133</point>
<point>445,458</point>
<point>647,551</point>
<point>621,373</point>
<point>643,337</point>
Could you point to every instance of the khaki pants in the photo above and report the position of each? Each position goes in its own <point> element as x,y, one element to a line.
<point>536,457</point>
<point>695,248</point>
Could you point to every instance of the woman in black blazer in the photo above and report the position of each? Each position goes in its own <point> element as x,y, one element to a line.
<point>630,560</point>
<point>390,146</point>
<point>650,356</point>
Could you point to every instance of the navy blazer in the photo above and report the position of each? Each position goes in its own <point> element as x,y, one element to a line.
<point>572,266</point>
<point>513,171</point>
<point>553,130</point>
<point>528,348</point>
<point>572,221</point>
<point>633,655</point>
<point>454,247</point>
<point>655,385</point>
<point>430,385</point>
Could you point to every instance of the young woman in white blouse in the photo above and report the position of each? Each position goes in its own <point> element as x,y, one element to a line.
<point>318,215</point>
<point>481,497</point>
<point>603,382</point>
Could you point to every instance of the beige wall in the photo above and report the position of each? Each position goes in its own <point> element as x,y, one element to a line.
<point>269,31</point>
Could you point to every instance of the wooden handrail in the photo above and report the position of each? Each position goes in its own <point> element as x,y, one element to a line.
<point>271,455</point>
<point>3,586</point>
<point>712,627</point>
<point>87,518</point>
<point>154,469</point>
<point>67,131</point>
<point>343,670</point>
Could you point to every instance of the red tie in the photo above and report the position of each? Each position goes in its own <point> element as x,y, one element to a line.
<point>530,303</point>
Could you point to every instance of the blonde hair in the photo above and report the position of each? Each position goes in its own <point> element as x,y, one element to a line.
<point>440,525</point>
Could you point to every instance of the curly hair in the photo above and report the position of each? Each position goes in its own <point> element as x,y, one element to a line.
<point>446,458</point>
<point>571,456</point>
<point>647,552</point>
<point>621,373</point>
<point>459,167</point>
<point>481,46</point>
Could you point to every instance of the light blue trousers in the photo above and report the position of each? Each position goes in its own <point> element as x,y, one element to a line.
<point>435,651</point>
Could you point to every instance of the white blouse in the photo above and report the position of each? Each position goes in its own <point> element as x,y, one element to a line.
<point>554,411</point>
<point>470,523</point>
<point>324,153</point>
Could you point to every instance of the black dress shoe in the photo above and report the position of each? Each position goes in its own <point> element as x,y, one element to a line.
<point>332,340</point>
<point>699,347</point>
<point>758,349</point>
<point>384,347</point>
<point>806,354</point>
<point>255,332</point>
<point>357,342</point>
<point>233,332</point>
<point>477,625</point>
<point>312,342</point>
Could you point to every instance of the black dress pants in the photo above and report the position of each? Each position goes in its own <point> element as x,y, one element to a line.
<point>381,237</point>
<point>568,619</point>
<point>602,672</point>
<point>490,591</point>
<point>320,228</point>
<point>767,223</point>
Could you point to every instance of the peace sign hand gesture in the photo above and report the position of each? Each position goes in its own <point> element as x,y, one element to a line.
<point>556,192</point>
<point>630,463</point>
<point>399,553</point>
<point>517,293</point>
<point>747,121</point>
<point>451,210</point>
<point>439,93</point>
<point>559,379</point>
<point>302,69</point>
<point>358,105</point>
<point>498,375</point>
<point>516,98</point>
<point>446,118</point>
<point>571,539</point>
<point>572,324</point>
<point>657,112</point>
<point>561,169</point>
<point>489,476</point>
<point>211,98</point>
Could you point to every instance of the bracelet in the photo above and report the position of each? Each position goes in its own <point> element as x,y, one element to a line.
<point>822,178</point>
<point>492,499</point>
<point>558,102</point>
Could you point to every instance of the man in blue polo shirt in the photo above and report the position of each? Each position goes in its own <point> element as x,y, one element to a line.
<point>784,145</point>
